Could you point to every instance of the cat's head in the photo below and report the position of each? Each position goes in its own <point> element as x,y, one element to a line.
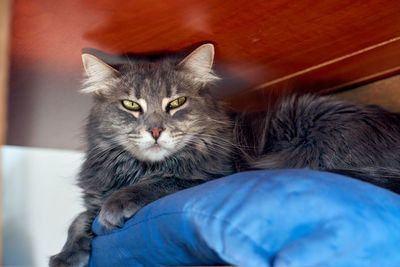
<point>155,109</point>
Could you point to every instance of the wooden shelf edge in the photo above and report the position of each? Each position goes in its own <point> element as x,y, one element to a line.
<point>361,67</point>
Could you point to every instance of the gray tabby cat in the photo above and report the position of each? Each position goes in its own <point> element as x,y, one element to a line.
<point>155,129</point>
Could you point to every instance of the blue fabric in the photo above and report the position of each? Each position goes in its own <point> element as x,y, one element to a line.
<point>261,218</point>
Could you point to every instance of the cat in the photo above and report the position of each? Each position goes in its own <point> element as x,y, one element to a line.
<point>155,129</point>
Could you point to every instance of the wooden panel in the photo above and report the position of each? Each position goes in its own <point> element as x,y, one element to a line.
<point>275,46</point>
<point>349,71</point>
<point>257,41</point>
<point>385,93</point>
<point>4,56</point>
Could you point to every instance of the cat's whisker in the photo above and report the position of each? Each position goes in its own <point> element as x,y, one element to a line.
<point>223,140</point>
<point>219,121</point>
<point>210,146</point>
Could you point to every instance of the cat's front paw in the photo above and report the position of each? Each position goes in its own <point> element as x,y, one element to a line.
<point>70,258</point>
<point>116,210</point>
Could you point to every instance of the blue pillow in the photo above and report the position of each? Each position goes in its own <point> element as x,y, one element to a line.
<point>261,218</point>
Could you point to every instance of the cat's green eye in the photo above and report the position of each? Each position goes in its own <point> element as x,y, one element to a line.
<point>177,102</point>
<point>131,105</point>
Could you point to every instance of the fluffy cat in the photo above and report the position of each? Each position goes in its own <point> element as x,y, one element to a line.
<point>154,129</point>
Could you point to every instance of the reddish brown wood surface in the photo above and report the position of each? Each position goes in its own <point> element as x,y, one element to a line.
<point>5,19</point>
<point>257,41</point>
<point>276,46</point>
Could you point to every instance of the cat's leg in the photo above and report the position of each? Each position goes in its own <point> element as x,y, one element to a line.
<point>124,203</point>
<point>76,250</point>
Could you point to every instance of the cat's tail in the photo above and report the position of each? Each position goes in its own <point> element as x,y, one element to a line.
<point>385,177</point>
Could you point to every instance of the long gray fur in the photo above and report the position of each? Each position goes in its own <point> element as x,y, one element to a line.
<point>300,132</point>
<point>112,174</point>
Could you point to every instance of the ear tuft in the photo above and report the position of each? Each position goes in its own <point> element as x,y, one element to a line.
<point>98,72</point>
<point>200,62</point>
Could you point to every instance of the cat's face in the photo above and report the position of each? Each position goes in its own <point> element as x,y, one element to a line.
<point>154,110</point>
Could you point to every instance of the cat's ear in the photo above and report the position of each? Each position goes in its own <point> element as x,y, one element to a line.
<point>98,72</point>
<point>200,62</point>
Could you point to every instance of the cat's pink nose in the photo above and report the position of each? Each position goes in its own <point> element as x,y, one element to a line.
<point>156,132</point>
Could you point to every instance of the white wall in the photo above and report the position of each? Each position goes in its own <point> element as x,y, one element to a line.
<point>40,200</point>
